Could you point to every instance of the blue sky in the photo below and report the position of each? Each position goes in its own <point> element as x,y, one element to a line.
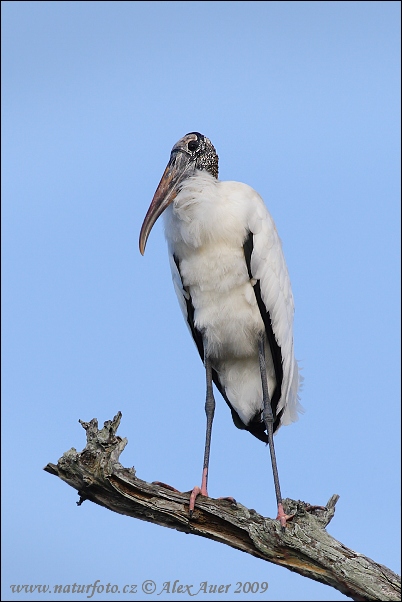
<point>302,102</point>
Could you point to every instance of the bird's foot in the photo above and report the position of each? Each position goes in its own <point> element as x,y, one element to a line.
<point>165,486</point>
<point>229,498</point>
<point>195,492</point>
<point>309,508</point>
<point>282,517</point>
<point>198,491</point>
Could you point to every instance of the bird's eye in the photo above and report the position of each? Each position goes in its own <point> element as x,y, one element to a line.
<point>193,145</point>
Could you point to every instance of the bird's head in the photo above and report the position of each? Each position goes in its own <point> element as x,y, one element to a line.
<point>194,151</point>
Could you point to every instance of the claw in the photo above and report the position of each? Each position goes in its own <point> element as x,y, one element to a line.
<point>165,486</point>
<point>196,491</point>
<point>229,498</point>
<point>309,508</point>
<point>283,518</point>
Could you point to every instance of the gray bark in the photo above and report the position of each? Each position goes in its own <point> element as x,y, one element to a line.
<point>304,547</point>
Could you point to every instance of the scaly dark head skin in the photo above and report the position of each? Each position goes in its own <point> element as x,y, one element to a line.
<point>194,151</point>
<point>203,151</point>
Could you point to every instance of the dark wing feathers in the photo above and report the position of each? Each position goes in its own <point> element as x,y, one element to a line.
<point>272,342</point>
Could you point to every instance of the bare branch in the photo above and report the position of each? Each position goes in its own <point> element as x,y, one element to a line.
<point>305,547</point>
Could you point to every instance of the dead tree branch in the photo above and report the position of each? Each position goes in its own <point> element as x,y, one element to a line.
<point>305,547</point>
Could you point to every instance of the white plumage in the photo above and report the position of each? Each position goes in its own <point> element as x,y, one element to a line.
<point>206,226</point>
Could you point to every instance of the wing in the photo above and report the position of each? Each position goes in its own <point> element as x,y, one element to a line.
<point>266,264</point>
<point>256,427</point>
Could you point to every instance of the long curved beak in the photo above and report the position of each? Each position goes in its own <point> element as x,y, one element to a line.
<point>178,169</point>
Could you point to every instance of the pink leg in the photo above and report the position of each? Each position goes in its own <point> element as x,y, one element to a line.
<point>199,491</point>
<point>269,423</point>
<point>210,411</point>
<point>203,491</point>
<point>282,517</point>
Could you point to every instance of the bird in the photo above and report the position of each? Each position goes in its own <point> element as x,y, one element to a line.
<point>233,288</point>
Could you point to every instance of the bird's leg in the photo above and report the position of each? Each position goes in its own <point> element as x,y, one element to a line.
<point>269,423</point>
<point>210,411</point>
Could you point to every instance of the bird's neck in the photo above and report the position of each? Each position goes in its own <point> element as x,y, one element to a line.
<point>188,219</point>
<point>201,187</point>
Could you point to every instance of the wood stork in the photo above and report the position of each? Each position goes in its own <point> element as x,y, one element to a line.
<point>233,288</point>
